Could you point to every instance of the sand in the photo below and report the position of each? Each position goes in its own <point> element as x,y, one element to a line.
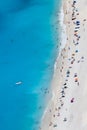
<point>67,110</point>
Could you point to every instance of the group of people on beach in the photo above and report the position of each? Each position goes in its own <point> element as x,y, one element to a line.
<point>72,60</point>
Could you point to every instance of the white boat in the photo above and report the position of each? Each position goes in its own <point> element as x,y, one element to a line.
<point>18,83</point>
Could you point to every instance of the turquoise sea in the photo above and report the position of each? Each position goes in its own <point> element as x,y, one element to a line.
<point>28,50</point>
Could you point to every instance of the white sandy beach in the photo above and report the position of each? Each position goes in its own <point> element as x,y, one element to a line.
<point>67,110</point>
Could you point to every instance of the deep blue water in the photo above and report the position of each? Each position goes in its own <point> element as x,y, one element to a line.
<point>27,54</point>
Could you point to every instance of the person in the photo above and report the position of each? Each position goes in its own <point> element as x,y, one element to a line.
<point>76,79</point>
<point>65,119</point>
<point>72,100</point>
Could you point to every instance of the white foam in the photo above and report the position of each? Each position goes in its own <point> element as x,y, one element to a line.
<point>63,35</point>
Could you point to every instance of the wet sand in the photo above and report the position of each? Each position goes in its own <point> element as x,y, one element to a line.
<point>67,110</point>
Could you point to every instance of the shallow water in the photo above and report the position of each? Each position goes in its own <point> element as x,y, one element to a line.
<point>27,54</point>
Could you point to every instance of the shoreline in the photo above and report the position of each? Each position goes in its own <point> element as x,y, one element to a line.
<point>61,47</point>
<point>70,67</point>
<point>63,36</point>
